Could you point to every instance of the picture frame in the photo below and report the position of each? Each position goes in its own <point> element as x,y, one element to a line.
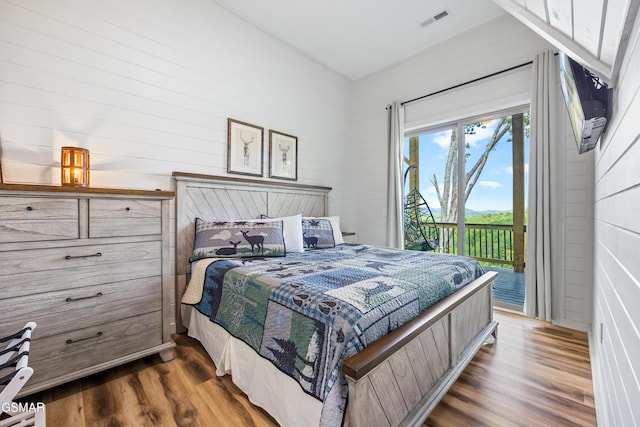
<point>245,148</point>
<point>283,156</point>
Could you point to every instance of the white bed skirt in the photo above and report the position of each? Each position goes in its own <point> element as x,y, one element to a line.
<point>265,385</point>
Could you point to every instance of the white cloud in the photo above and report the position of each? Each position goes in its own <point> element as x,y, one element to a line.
<point>443,139</point>
<point>432,189</point>
<point>481,133</point>
<point>490,184</point>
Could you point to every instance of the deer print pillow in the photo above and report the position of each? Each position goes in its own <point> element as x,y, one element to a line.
<point>292,230</point>
<point>238,239</point>
<point>317,233</point>
<point>335,224</point>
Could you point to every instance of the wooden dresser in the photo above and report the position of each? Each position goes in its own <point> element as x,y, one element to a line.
<point>91,267</point>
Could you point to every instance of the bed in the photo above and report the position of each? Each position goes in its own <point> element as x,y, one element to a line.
<point>391,379</point>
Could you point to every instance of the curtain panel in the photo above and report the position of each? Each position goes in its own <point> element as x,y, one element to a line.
<point>395,222</point>
<point>543,122</point>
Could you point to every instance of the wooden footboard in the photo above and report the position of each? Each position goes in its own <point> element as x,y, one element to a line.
<point>399,379</point>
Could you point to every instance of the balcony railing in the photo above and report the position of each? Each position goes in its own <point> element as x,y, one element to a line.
<point>490,243</point>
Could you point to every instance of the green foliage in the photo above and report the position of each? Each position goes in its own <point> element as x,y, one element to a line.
<point>492,218</point>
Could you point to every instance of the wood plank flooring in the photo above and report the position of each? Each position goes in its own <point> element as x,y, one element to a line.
<point>536,374</point>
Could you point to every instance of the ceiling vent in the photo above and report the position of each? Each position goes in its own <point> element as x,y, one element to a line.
<point>434,18</point>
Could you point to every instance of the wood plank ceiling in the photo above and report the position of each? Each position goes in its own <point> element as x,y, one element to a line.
<point>592,32</point>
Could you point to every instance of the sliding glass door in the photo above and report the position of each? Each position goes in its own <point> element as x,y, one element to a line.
<point>472,175</point>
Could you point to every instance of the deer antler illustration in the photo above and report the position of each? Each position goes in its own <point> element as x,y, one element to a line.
<point>246,150</point>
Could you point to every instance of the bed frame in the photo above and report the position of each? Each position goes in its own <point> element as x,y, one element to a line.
<point>397,380</point>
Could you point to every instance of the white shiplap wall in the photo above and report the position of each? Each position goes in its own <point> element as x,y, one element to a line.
<point>573,195</point>
<point>147,86</point>
<point>572,228</point>
<point>615,348</point>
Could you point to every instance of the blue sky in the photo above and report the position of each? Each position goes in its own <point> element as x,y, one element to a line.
<point>493,191</point>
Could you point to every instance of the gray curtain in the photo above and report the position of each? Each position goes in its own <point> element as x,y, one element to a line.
<point>543,122</point>
<point>395,225</point>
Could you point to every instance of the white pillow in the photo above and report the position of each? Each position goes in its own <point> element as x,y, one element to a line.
<point>292,231</point>
<point>335,224</point>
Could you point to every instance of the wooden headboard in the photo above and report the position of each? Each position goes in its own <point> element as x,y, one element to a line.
<point>220,198</point>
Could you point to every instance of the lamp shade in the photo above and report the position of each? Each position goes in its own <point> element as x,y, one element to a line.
<point>74,166</point>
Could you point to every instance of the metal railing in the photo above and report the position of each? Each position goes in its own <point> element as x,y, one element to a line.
<point>491,243</point>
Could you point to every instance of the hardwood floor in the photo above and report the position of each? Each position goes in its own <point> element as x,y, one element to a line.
<point>536,374</point>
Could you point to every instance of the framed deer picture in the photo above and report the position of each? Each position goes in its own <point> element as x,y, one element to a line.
<point>245,145</point>
<point>283,156</point>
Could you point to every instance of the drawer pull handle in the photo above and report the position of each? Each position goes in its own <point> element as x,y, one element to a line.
<point>69,299</point>
<point>70,341</point>
<point>83,256</point>
<point>29,208</point>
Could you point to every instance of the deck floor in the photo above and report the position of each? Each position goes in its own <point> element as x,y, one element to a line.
<point>508,288</point>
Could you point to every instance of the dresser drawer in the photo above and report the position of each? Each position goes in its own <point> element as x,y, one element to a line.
<point>62,311</point>
<point>115,217</point>
<point>45,270</point>
<point>31,219</point>
<point>85,347</point>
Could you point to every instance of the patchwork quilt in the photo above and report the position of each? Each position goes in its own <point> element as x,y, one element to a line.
<point>307,312</point>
